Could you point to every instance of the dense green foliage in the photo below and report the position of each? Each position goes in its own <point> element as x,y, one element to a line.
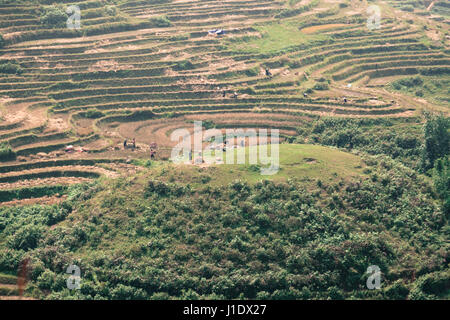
<point>183,65</point>
<point>270,240</point>
<point>437,139</point>
<point>6,153</point>
<point>397,139</point>
<point>54,16</point>
<point>434,88</point>
<point>10,67</point>
<point>441,178</point>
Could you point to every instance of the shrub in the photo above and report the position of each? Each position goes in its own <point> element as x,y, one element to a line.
<point>93,114</point>
<point>162,21</point>
<point>2,41</point>
<point>252,72</point>
<point>431,286</point>
<point>397,291</point>
<point>408,8</point>
<point>437,139</point>
<point>111,10</point>
<point>183,65</point>
<point>10,67</point>
<point>321,86</point>
<point>54,17</point>
<point>26,237</point>
<point>441,179</point>
<point>6,153</point>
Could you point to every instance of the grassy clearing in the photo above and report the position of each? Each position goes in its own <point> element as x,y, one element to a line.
<point>275,37</point>
<point>302,161</point>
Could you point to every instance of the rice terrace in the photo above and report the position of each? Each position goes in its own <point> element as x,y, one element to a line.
<point>96,94</point>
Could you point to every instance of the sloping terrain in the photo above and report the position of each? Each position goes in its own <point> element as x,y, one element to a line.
<point>141,69</point>
<point>322,72</point>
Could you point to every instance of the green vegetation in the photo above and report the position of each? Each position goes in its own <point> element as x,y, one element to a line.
<point>275,37</point>
<point>363,177</point>
<point>437,140</point>
<point>161,21</point>
<point>54,16</point>
<point>10,67</point>
<point>398,139</point>
<point>6,153</point>
<point>32,192</point>
<point>156,237</point>
<point>93,114</point>
<point>433,88</point>
<point>441,178</point>
<point>183,65</point>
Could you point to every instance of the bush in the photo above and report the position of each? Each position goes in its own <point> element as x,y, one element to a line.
<point>408,8</point>
<point>252,72</point>
<point>2,41</point>
<point>437,139</point>
<point>93,114</point>
<point>441,179</point>
<point>111,10</point>
<point>397,291</point>
<point>160,22</point>
<point>6,153</point>
<point>183,65</point>
<point>321,86</point>
<point>26,237</point>
<point>10,67</point>
<point>431,286</point>
<point>54,17</point>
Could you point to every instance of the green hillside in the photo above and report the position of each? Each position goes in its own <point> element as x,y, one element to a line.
<point>175,232</point>
<point>92,93</point>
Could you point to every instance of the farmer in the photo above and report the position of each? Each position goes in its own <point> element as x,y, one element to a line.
<point>134,143</point>
<point>125,144</point>
<point>235,95</point>
<point>268,73</point>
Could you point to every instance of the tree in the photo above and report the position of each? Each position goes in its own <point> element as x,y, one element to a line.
<point>54,17</point>
<point>437,139</point>
<point>441,179</point>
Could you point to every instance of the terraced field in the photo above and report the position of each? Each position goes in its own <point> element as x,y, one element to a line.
<point>141,69</point>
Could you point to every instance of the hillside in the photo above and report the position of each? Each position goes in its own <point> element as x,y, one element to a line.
<point>358,89</point>
<point>160,234</point>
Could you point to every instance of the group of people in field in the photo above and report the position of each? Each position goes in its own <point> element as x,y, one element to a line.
<point>132,145</point>
<point>153,147</point>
